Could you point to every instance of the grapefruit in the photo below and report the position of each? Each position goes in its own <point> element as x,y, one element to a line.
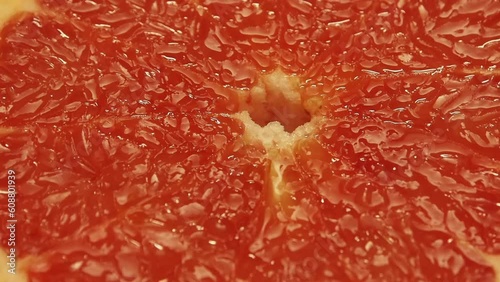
<point>250,140</point>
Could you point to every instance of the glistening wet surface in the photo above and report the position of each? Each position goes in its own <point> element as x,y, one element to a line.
<point>135,162</point>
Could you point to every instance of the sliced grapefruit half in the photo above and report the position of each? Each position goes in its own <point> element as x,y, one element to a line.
<point>208,140</point>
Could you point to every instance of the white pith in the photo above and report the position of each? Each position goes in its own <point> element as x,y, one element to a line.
<point>10,8</point>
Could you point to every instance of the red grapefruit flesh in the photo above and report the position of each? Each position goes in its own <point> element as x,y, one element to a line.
<point>252,140</point>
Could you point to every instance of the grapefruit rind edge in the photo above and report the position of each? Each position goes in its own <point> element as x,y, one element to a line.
<point>10,8</point>
<point>20,273</point>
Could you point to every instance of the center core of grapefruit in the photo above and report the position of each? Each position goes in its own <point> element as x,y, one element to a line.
<point>277,98</point>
